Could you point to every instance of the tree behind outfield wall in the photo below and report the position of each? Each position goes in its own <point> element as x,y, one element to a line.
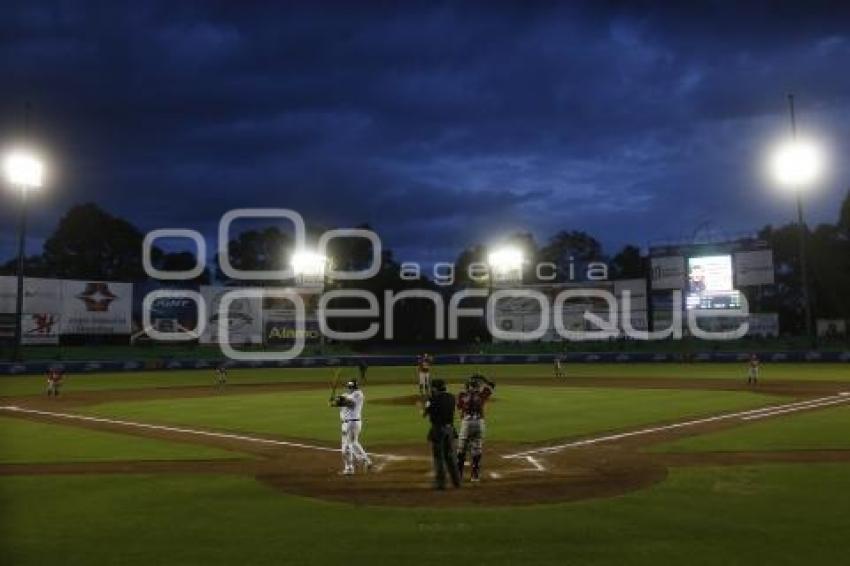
<point>90,243</point>
<point>828,251</point>
<point>571,251</point>
<point>265,249</point>
<point>628,264</point>
<point>844,217</point>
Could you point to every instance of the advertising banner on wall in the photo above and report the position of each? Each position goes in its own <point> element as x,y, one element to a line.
<point>7,326</point>
<point>245,325</point>
<point>831,328</point>
<point>283,332</point>
<point>522,314</point>
<point>40,295</point>
<point>174,314</point>
<point>40,329</point>
<point>668,272</point>
<point>96,307</point>
<point>637,288</point>
<point>765,324</point>
<point>754,268</point>
<point>760,324</point>
<point>42,308</point>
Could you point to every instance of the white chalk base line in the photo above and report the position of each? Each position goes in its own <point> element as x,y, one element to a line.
<point>751,414</point>
<point>195,432</point>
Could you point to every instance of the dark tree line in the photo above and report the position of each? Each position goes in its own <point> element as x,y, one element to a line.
<point>828,263</point>
<point>90,243</point>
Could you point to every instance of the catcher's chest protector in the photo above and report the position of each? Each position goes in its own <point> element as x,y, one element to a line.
<point>474,405</point>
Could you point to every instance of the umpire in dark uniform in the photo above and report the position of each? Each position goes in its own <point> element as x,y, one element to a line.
<point>440,409</point>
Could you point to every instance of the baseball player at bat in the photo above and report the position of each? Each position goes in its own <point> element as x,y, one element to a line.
<point>350,406</point>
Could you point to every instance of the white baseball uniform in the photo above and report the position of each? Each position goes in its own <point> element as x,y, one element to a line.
<point>350,417</point>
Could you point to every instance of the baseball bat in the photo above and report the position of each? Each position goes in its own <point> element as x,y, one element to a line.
<point>334,385</point>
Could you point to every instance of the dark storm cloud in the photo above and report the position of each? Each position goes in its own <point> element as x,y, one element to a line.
<point>440,124</point>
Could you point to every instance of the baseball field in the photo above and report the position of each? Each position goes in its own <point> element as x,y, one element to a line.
<point>613,464</point>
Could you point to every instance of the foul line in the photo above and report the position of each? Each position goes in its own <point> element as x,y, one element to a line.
<point>793,409</point>
<point>181,430</point>
<point>744,415</point>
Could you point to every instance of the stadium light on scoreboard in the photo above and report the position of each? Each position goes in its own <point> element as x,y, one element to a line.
<point>506,265</point>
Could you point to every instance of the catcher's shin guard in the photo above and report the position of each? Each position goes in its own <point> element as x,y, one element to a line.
<point>476,466</point>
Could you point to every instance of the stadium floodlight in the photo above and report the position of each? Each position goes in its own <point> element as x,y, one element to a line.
<point>309,268</point>
<point>796,164</point>
<point>309,264</point>
<point>505,259</point>
<point>24,170</point>
<point>505,265</point>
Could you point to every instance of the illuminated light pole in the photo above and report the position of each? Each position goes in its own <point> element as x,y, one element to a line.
<point>24,171</point>
<point>505,265</point>
<point>309,268</point>
<point>796,165</point>
<point>505,268</point>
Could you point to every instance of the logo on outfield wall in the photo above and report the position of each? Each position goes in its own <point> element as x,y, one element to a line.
<point>281,333</point>
<point>97,297</point>
<point>43,323</point>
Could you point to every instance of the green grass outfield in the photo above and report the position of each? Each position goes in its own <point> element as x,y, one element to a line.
<point>774,514</point>
<point>821,429</point>
<point>26,385</point>
<point>517,413</point>
<point>777,515</point>
<point>31,442</point>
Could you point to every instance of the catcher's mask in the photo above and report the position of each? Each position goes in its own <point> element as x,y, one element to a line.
<point>474,382</point>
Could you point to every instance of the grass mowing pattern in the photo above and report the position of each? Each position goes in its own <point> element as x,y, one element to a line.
<point>34,384</point>
<point>517,414</point>
<point>778,515</point>
<point>30,442</point>
<point>821,429</point>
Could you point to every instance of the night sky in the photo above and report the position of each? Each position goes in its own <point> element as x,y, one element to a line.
<point>440,124</point>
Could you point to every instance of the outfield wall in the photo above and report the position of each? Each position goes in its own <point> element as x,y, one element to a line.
<point>7,368</point>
